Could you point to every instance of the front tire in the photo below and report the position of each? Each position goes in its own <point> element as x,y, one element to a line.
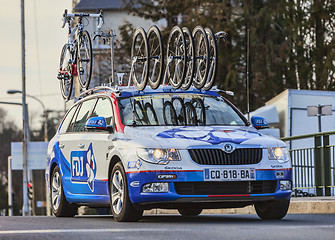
<point>272,210</point>
<point>122,208</point>
<point>60,206</point>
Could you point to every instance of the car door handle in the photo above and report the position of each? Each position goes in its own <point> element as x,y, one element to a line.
<point>81,145</point>
<point>61,146</point>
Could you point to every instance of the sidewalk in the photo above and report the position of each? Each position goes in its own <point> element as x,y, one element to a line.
<point>298,205</point>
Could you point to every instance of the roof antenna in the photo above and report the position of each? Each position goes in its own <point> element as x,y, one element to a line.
<point>248,94</point>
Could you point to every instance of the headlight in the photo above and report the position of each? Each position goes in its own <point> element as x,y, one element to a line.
<point>278,153</point>
<point>158,156</point>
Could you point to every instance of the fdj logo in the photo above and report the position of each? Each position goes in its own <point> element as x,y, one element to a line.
<point>83,167</point>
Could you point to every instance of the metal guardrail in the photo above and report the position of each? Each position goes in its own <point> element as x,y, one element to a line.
<point>314,168</point>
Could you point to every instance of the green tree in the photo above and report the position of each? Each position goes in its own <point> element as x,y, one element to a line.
<point>9,133</point>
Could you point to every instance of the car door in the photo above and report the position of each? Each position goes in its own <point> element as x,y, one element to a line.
<point>74,151</point>
<point>99,144</point>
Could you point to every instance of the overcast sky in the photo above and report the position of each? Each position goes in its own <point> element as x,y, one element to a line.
<point>44,40</point>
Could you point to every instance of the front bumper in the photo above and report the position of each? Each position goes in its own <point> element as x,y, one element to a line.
<point>189,187</point>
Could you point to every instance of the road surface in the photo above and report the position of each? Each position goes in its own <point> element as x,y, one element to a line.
<point>293,226</point>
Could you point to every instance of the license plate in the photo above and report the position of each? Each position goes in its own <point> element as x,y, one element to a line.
<point>231,174</point>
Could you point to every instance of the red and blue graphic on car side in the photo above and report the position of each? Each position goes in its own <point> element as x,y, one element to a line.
<point>78,177</point>
<point>83,167</point>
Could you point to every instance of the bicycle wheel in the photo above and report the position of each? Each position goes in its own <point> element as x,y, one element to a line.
<point>65,72</point>
<point>151,114</point>
<point>169,114</point>
<point>213,59</point>
<point>140,114</point>
<point>156,59</point>
<point>176,53</point>
<point>190,60</point>
<point>139,56</point>
<point>200,110</point>
<point>201,48</point>
<point>191,115</point>
<point>84,59</point>
<point>178,105</point>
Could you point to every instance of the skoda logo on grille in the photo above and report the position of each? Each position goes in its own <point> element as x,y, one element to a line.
<point>228,148</point>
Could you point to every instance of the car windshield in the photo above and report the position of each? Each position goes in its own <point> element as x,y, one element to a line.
<point>178,110</point>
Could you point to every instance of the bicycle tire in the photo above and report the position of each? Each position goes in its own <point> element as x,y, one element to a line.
<point>201,48</point>
<point>191,115</point>
<point>181,115</point>
<point>65,72</point>
<point>84,59</point>
<point>156,57</point>
<point>140,56</point>
<point>173,115</point>
<point>148,106</point>
<point>176,49</point>
<point>201,117</point>
<point>142,120</point>
<point>213,62</point>
<point>190,60</point>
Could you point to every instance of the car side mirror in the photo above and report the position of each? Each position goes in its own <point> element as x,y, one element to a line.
<point>259,122</point>
<point>96,123</point>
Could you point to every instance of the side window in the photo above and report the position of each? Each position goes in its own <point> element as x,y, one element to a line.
<point>71,125</point>
<point>80,120</point>
<point>67,119</point>
<point>103,109</point>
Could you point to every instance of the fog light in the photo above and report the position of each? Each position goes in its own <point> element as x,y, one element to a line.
<point>285,185</point>
<point>155,187</point>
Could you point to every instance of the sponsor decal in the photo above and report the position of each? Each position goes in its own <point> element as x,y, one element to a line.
<point>84,167</point>
<point>98,122</point>
<point>135,183</point>
<point>166,176</point>
<point>210,135</point>
<point>279,174</point>
<point>120,139</point>
<point>135,164</point>
<point>277,166</point>
<point>173,168</point>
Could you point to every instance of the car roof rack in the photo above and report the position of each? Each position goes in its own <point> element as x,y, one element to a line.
<point>132,90</point>
<point>98,89</point>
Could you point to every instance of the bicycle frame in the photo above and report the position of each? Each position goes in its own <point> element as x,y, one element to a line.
<point>73,33</point>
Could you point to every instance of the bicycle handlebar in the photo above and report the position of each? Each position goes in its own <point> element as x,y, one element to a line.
<point>67,16</point>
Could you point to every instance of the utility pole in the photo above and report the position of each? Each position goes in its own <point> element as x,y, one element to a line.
<point>25,210</point>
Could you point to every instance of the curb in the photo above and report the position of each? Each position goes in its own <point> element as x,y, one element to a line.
<point>313,205</point>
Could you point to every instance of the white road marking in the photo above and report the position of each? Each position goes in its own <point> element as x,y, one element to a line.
<point>115,230</point>
<point>121,230</point>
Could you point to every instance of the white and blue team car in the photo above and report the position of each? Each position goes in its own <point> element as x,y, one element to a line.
<point>165,148</point>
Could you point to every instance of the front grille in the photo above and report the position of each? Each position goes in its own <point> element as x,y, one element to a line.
<point>241,156</point>
<point>225,188</point>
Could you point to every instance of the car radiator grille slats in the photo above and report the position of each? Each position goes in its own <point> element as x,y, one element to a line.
<point>241,156</point>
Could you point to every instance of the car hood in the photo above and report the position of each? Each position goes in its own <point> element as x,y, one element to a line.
<point>198,136</point>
